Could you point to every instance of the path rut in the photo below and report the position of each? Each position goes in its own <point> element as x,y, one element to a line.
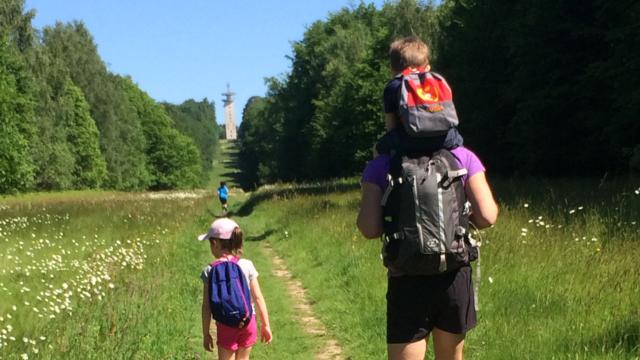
<point>330,349</point>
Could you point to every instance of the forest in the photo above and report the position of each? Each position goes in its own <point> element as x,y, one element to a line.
<point>542,89</point>
<point>67,122</point>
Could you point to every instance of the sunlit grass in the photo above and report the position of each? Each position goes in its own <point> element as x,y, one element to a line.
<point>104,275</point>
<point>562,261</point>
<point>63,261</point>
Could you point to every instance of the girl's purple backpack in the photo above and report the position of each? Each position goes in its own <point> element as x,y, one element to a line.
<point>229,295</point>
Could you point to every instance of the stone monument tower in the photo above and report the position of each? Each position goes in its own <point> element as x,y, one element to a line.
<point>229,115</point>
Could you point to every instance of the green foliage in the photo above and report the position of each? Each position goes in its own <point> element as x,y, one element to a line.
<point>68,123</point>
<point>253,150</point>
<point>16,24</point>
<point>83,139</point>
<point>122,142</point>
<point>173,158</point>
<point>321,119</point>
<point>197,120</point>
<point>16,110</point>
<point>552,76</point>
<point>531,81</point>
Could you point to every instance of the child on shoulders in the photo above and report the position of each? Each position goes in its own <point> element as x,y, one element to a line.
<point>409,53</point>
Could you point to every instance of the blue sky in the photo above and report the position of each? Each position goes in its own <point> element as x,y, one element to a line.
<point>176,50</point>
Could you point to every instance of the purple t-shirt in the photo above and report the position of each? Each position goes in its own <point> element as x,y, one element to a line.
<point>376,170</point>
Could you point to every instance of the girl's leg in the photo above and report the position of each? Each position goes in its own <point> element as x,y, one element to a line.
<point>407,351</point>
<point>226,354</point>
<point>447,346</point>
<point>243,353</point>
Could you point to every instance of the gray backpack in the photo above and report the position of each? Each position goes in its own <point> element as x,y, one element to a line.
<point>426,214</point>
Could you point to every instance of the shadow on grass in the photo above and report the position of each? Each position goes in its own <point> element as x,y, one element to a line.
<point>262,236</point>
<point>621,341</point>
<point>290,191</point>
<point>622,338</point>
<point>220,214</point>
<point>232,163</point>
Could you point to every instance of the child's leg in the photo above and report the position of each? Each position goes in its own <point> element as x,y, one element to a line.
<point>243,353</point>
<point>226,354</point>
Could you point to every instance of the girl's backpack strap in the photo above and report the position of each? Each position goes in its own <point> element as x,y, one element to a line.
<point>233,259</point>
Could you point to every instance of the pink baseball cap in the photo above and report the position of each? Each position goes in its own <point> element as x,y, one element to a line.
<point>220,229</point>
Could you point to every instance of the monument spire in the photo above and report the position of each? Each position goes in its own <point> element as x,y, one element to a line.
<point>229,114</point>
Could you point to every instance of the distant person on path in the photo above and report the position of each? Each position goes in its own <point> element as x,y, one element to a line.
<point>225,240</point>
<point>414,195</point>
<point>223,195</point>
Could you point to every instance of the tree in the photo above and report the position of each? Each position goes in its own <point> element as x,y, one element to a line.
<point>16,108</point>
<point>122,142</point>
<point>197,120</point>
<point>173,158</point>
<point>89,168</point>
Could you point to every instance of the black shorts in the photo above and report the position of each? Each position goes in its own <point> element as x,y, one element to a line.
<point>223,201</point>
<point>417,304</point>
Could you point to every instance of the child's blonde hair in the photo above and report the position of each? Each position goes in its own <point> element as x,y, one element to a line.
<point>408,52</point>
<point>233,244</point>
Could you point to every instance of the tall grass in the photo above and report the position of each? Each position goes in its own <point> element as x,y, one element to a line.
<point>560,269</point>
<point>104,275</point>
<point>87,277</point>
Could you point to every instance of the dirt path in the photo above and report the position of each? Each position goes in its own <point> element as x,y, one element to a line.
<point>330,349</point>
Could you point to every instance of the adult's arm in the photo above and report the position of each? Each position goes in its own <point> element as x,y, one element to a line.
<point>370,216</point>
<point>484,210</point>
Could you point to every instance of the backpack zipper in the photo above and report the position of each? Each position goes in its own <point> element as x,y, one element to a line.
<point>244,300</point>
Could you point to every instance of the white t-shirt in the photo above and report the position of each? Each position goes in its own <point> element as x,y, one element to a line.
<point>248,269</point>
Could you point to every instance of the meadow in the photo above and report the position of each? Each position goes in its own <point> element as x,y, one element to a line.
<point>559,272</point>
<point>85,277</point>
<point>108,275</point>
<point>103,275</point>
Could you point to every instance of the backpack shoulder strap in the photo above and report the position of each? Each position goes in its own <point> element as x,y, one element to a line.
<point>389,143</point>
<point>454,171</point>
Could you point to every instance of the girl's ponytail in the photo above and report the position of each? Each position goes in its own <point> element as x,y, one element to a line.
<point>236,241</point>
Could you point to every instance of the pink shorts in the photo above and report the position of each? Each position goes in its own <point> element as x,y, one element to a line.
<point>234,338</point>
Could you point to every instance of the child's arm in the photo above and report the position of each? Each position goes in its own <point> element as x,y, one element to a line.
<point>390,121</point>
<point>265,329</point>
<point>207,340</point>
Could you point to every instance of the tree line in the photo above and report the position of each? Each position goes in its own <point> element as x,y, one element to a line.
<point>544,88</point>
<point>67,122</point>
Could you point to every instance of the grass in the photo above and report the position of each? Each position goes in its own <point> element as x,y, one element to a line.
<point>115,275</point>
<point>564,288</point>
<point>104,275</point>
<point>97,277</point>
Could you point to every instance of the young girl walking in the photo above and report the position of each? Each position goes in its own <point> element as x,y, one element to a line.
<point>225,241</point>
